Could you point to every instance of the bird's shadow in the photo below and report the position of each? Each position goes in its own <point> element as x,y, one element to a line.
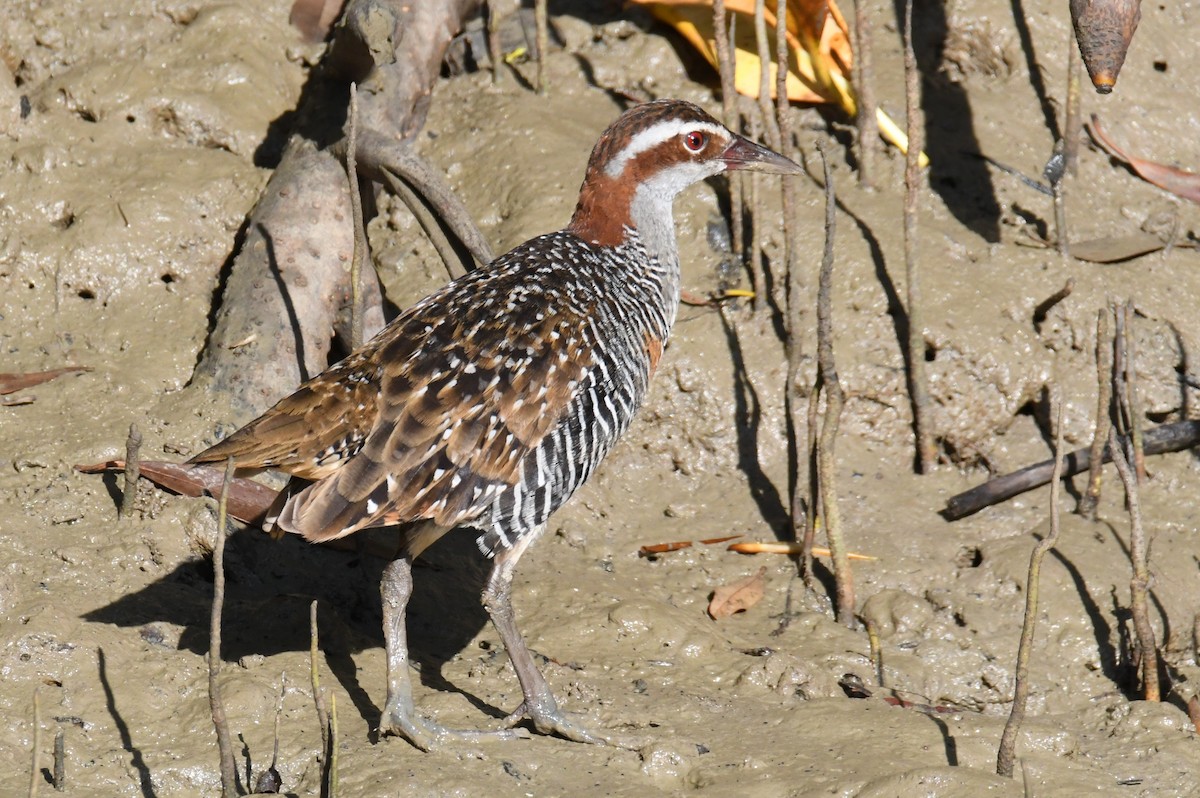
<point>269,589</point>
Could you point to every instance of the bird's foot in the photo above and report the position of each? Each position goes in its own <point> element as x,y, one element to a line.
<point>404,722</point>
<point>552,720</point>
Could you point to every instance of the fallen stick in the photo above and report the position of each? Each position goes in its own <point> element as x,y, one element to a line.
<point>1160,440</point>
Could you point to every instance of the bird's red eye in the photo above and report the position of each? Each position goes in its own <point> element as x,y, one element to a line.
<point>695,140</point>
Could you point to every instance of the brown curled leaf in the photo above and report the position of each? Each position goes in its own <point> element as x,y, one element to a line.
<point>248,500</point>
<point>11,383</point>
<point>1179,182</point>
<point>738,596</point>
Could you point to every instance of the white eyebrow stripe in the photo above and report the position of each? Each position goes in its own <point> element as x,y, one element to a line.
<point>655,135</point>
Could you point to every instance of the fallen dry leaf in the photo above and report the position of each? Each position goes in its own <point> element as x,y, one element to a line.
<point>741,595</point>
<point>1179,182</point>
<point>663,548</point>
<point>248,500</point>
<point>11,383</point>
<point>1113,249</point>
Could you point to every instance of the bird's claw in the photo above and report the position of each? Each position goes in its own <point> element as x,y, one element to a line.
<point>428,736</point>
<point>555,721</point>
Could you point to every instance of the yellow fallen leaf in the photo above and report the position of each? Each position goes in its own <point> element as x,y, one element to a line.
<point>818,43</point>
<point>819,53</point>
<point>738,596</point>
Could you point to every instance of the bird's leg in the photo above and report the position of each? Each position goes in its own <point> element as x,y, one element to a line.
<point>539,704</point>
<point>400,715</point>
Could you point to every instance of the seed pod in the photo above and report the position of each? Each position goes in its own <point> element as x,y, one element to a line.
<point>1104,29</point>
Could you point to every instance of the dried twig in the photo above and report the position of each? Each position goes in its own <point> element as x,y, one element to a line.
<point>1159,440</point>
<point>834,400</point>
<point>813,512</point>
<point>770,130</point>
<point>1131,390</point>
<point>1008,740</point>
<point>918,387</point>
<point>35,773</point>
<point>60,761</point>
<point>783,117</point>
<point>269,781</point>
<point>792,264</point>
<point>757,254</point>
<point>133,445</point>
<point>876,651</point>
<point>333,746</point>
<point>1140,583</point>
<point>1122,416</point>
<point>360,233</point>
<point>1073,124</point>
<point>314,675</point>
<point>764,75</point>
<point>493,40</point>
<point>224,742</point>
<point>1043,307</point>
<point>380,158</point>
<point>542,42</point>
<point>1104,366</point>
<point>429,223</point>
<point>732,120</point>
<point>1055,172</point>
<point>864,88</point>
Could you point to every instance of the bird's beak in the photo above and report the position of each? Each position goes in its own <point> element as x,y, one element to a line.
<point>745,154</point>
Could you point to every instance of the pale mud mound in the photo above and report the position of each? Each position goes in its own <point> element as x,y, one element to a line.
<point>148,133</point>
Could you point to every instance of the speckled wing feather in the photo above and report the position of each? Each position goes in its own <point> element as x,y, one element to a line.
<point>316,430</point>
<point>471,380</point>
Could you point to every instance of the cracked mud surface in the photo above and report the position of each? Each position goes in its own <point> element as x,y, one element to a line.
<point>122,193</point>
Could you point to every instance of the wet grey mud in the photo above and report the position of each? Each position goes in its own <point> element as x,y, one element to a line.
<point>125,186</point>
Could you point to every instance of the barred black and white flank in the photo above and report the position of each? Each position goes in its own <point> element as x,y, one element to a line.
<point>487,404</point>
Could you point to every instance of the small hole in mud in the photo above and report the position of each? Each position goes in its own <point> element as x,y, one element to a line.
<point>1160,66</point>
<point>930,353</point>
<point>86,293</point>
<point>959,620</point>
<point>130,118</point>
<point>969,557</point>
<point>167,278</point>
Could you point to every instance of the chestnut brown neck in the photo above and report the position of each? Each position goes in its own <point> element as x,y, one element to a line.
<point>604,209</point>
